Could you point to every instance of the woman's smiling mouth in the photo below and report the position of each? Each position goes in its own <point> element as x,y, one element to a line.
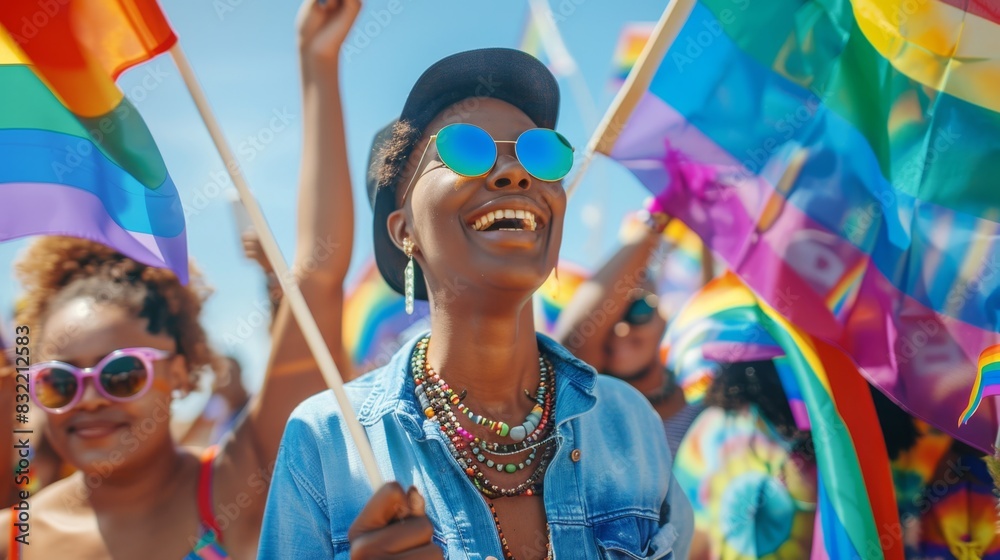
<point>506,220</point>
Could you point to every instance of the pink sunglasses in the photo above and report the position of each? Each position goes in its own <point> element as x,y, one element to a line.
<point>121,376</point>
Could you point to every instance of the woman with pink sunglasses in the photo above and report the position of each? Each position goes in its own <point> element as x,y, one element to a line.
<point>116,341</point>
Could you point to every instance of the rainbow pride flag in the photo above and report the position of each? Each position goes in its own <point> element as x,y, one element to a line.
<point>630,43</point>
<point>678,269</point>
<point>531,37</point>
<point>841,157</point>
<point>375,320</point>
<point>76,157</point>
<point>556,293</point>
<point>856,505</point>
<point>987,381</point>
<point>542,40</point>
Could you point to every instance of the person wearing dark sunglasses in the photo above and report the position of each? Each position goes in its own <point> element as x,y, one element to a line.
<point>615,323</point>
<point>113,342</point>
<point>499,443</point>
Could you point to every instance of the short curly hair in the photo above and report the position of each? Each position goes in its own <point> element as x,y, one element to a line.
<point>54,270</point>
<point>739,384</point>
<point>390,163</point>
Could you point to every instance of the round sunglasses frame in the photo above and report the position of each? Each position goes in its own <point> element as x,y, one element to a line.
<point>148,356</point>
<point>651,300</point>
<point>496,155</point>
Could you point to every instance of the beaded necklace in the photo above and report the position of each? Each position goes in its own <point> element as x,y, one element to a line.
<point>502,429</point>
<point>437,399</point>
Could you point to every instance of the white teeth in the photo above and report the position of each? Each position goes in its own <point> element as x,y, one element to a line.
<point>529,221</point>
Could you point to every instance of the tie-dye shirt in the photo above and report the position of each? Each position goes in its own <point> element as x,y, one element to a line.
<point>946,502</point>
<point>751,495</point>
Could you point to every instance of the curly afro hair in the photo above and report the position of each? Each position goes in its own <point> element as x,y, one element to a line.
<point>389,165</point>
<point>739,384</point>
<point>54,270</point>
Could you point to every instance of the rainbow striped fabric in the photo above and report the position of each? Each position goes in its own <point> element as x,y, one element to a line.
<point>630,43</point>
<point>841,157</point>
<point>748,492</point>
<point>855,504</point>
<point>375,320</point>
<point>208,547</point>
<point>677,269</point>
<point>76,158</point>
<point>987,381</point>
<point>556,293</point>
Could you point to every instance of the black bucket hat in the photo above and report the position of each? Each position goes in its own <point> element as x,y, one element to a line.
<point>506,74</point>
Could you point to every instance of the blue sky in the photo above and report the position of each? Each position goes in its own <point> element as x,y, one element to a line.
<point>244,54</point>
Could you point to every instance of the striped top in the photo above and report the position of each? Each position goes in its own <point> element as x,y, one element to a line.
<point>678,424</point>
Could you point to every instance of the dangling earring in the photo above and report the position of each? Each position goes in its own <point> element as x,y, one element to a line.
<point>408,275</point>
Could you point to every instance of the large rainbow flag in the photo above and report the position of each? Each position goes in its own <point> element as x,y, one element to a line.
<point>857,516</point>
<point>842,158</point>
<point>76,158</point>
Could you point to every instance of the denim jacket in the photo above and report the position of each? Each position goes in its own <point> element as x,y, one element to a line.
<point>608,492</point>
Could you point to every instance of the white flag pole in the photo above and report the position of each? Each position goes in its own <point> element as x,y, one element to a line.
<point>299,308</point>
<point>603,140</point>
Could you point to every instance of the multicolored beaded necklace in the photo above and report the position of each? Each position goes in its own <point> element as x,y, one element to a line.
<point>502,429</point>
<point>437,399</point>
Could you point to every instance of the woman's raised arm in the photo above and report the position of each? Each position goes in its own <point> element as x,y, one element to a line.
<point>322,256</point>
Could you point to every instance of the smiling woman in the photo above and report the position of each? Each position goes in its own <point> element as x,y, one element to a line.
<point>506,445</point>
<point>117,341</point>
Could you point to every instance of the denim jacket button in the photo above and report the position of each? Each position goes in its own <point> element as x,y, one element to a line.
<point>575,455</point>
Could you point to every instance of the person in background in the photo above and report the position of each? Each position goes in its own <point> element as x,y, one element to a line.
<point>229,396</point>
<point>748,469</point>
<point>228,400</point>
<point>253,251</point>
<point>614,323</point>
<point>944,491</point>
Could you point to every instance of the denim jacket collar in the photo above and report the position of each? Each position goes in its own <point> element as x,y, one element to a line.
<point>392,387</point>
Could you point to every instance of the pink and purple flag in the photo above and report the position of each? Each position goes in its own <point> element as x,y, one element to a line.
<point>843,162</point>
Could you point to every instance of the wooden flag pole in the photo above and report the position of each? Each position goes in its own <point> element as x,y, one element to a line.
<point>299,307</point>
<point>603,140</point>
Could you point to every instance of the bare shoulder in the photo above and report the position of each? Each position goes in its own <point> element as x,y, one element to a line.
<point>5,519</point>
<point>240,483</point>
<point>41,520</point>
